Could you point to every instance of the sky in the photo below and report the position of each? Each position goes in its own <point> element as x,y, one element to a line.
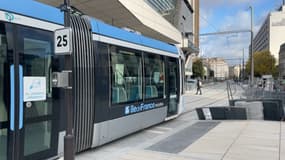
<point>229,15</point>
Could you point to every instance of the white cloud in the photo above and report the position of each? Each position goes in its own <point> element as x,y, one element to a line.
<point>229,46</point>
<point>204,14</point>
<point>226,47</point>
<point>239,21</point>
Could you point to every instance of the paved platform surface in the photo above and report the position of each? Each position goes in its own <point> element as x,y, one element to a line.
<point>187,138</point>
<point>235,140</point>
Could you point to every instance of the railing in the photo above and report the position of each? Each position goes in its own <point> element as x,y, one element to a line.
<point>263,94</point>
<point>231,89</point>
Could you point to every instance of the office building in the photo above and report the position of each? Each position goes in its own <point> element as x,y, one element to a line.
<point>269,35</point>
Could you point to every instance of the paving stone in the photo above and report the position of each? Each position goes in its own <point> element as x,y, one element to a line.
<point>283,130</point>
<point>149,155</point>
<point>282,149</point>
<point>208,145</point>
<point>203,156</point>
<point>218,140</point>
<point>251,153</point>
<point>255,141</point>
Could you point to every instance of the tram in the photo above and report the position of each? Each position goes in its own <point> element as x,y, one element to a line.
<point>122,82</point>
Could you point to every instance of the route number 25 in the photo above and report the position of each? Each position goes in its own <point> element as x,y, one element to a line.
<point>63,41</point>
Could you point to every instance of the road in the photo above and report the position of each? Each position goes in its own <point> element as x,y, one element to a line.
<point>213,95</point>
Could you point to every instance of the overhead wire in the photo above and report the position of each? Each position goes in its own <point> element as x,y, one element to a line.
<point>205,19</point>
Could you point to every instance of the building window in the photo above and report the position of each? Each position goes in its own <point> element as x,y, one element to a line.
<point>154,76</point>
<point>164,7</point>
<point>126,66</point>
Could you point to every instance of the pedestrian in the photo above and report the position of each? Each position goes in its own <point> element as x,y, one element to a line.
<point>264,83</point>
<point>199,86</point>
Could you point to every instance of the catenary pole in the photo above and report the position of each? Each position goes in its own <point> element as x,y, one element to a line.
<point>69,137</point>
<point>251,49</point>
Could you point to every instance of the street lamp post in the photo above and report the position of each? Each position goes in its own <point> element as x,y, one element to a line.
<point>251,48</point>
<point>69,137</point>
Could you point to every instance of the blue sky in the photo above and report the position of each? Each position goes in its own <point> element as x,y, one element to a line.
<point>226,15</point>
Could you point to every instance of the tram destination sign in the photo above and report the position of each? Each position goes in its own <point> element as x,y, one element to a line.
<point>63,41</point>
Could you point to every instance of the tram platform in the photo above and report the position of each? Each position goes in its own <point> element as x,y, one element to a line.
<point>210,140</point>
<point>235,140</point>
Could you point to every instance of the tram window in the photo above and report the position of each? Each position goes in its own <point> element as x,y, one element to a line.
<point>182,64</point>
<point>154,76</point>
<point>126,75</point>
<point>173,69</point>
<point>37,62</point>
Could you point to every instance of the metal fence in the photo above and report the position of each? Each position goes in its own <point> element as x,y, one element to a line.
<point>260,93</point>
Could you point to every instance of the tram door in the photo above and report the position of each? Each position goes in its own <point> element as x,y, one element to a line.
<point>173,81</point>
<point>5,60</point>
<point>27,115</point>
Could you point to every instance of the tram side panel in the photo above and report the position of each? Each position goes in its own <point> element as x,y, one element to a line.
<point>112,122</point>
<point>102,85</point>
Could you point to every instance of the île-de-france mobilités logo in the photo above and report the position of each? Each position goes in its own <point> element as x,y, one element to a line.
<point>9,16</point>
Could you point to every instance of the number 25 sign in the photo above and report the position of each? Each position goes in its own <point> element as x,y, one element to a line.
<point>63,41</point>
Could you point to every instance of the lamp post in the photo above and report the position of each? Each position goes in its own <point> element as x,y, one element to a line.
<point>251,48</point>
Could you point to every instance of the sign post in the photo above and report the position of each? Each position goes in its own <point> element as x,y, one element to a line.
<point>63,46</point>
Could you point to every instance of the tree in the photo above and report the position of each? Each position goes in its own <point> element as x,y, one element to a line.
<point>198,69</point>
<point>264,64</point>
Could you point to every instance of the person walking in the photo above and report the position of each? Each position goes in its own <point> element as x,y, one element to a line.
<point>199,86</point>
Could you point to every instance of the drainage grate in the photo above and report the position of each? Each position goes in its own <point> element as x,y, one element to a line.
<point>179,141</point>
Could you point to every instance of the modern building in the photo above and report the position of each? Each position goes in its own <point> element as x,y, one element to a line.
<point>184,15</point>
<point>269,35</point>
<point>282,61</point>
<point>219,66</point>
<point>235,71</point>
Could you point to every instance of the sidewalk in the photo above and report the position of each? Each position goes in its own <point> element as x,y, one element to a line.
<point>233,140</point>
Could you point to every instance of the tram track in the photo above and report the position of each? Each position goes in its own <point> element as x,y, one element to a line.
<point>204,105</point>
<point>215,96</point>
<point>200,99</point>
